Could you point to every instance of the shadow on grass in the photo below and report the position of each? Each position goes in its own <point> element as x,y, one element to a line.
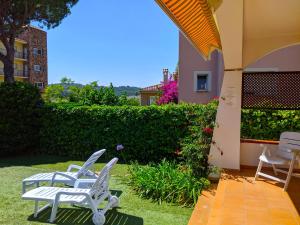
<point>40,159</point>
<point>29,160</point>
<point>82,216</point>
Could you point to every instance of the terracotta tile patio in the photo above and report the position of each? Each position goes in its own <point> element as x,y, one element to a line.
<point>239,200</point>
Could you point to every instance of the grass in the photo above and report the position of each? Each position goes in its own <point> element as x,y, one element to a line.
<point>132,211</point>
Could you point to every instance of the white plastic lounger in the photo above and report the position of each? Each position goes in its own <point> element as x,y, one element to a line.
<point>288,151</point>
<point>87,197</point>
<point>68,178</point>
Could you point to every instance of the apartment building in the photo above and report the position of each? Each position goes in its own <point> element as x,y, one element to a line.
<point>30,57</point>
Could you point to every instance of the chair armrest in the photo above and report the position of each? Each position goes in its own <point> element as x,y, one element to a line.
<point>60,174</point>
<point>73,166</point>
<point>84,183</point>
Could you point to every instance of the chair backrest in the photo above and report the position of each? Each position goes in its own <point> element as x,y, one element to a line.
<point>89,163</point>
<point>101,183</point>
<point>288,141</point>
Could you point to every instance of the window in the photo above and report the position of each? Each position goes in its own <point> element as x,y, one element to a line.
<point>202,81</point>
<point>37,68</point>
<point>37,51</point>
<point>40,85</point>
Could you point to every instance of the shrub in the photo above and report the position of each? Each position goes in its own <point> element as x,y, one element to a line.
<point>148,133</point>
<point>166,182</point>
<point>19,121</point>
<point>169,92</point>
<point>268,124</point>
<point>196,145</point>
<point>55,93</point>
<point>133,101</point>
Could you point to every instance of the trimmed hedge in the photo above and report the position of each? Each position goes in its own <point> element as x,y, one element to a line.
<point>148,133</point>
<point>268,124</point>
<point>19,118</point>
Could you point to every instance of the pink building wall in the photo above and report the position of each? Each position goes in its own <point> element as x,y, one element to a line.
<point>286,59</point>
<point>189,62</point>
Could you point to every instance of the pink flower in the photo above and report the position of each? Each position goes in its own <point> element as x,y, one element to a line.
<point>169,92</point>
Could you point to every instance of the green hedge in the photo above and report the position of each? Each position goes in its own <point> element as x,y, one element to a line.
<point>19,118</point>
<point>268,124</point>
<point>148,133</point>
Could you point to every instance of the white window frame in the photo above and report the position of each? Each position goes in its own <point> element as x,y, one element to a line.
<point>37,51</point>
<point>202,73</point>
<point>35,68</point>
<point>39,84</point>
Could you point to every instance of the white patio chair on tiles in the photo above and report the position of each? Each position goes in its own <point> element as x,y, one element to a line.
<point>287,153</point>
<point>86,197</point>
<point>69,177</point>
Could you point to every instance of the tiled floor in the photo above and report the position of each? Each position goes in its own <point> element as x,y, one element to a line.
<point>241,201</point>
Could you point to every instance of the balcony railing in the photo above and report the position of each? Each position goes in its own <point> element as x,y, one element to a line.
<point>19,73</point>
<point>18,54</point>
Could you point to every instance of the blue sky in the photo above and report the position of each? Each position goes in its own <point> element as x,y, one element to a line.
<point>126,42</point>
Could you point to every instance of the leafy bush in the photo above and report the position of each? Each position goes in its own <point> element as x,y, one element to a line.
<point>148,133</point>
<point>19,121</point>
<point>166,182</point>
<point>55,93</point>
<point>169,92</point>
<point>268,124</point>
<point>133,101</point>
<point>196,146</point>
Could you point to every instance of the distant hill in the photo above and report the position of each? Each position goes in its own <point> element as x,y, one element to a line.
<point>129,90</point>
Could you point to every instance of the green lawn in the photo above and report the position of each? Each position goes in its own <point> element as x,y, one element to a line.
<point>132,211</point>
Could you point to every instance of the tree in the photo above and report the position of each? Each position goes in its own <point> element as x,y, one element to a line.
<point>54,93</point>
<point>66,80</point>
<point>16,15</point>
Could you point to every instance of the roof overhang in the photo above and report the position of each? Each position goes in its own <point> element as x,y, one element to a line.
<point>195,20</point>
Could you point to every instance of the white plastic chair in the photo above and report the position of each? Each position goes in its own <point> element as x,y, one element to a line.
<point>288,149</point>
<point>87,197</point>
<point>69,177</point>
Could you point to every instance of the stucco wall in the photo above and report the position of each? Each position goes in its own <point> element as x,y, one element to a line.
<point>286,59</point>
<point>189,62</point>
<point>250,153</point>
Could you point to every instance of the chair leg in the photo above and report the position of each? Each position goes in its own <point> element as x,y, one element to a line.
<point>36,208</point>
<point>53,212</point>
<point>288,178</point>
<point>258,169</point>
<point>274,169</point>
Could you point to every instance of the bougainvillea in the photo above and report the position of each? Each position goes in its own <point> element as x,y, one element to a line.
<point>169,92</point>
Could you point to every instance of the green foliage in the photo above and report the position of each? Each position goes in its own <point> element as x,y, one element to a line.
<point>167,182</point>
<point>133,101</point>
<point>148,133</point>
<point>54,93</point>
<point>90,94</point>
<point>196,145</point>
<point>66,81</point>
<point>46,13</point>
<point>268,124</point>
<point>19,121</point>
